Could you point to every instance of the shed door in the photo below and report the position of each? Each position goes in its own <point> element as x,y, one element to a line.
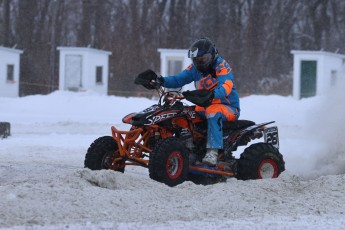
<point>308,78</point>
<point>73,72</point>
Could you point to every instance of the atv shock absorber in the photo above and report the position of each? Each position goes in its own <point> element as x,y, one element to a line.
<point>162,133</point>
<point>157,135</point>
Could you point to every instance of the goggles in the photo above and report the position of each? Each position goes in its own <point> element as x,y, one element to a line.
<point>203,60</point>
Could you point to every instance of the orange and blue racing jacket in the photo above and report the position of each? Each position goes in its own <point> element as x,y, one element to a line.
<point>221,81</point>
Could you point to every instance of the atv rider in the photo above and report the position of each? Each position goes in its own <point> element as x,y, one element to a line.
<point>211,72</point>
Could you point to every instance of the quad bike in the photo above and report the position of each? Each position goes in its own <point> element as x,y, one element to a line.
<point>169,138</point>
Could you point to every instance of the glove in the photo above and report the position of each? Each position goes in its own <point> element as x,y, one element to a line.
<point>157,82</point>
<point>149,79</point>
<point>201,97</point>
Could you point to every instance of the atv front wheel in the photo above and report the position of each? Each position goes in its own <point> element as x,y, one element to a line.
<point>260,161</point>
<point>169,162</point>
<point>101,154</point>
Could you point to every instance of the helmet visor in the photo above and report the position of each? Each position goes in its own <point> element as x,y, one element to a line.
<point>202,61</point>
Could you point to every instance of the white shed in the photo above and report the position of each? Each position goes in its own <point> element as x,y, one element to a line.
<point>315,72</point>
<point>83,69</point>
<point>173,61</point>
<point>9,71</point>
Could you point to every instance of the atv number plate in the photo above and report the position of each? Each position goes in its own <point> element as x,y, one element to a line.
<point>271,136</point>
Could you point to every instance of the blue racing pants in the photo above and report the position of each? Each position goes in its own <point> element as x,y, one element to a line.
<point>215,115</point>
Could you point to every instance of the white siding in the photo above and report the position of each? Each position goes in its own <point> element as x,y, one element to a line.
<point>91,58</point>
<point>9,56</point>
<point>167,55</point>
<point>327,63</point>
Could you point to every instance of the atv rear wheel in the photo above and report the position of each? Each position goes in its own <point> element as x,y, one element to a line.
<point>169,162</point>
<point>101,154</point>
<point>260,161</point>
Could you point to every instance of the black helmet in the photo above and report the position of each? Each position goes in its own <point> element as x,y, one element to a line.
<point>203,54</point>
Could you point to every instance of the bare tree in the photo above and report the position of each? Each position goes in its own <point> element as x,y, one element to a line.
<point>255,36</point>
<point>5,32</point>
<point>135,41</point>
<point>84,32</point>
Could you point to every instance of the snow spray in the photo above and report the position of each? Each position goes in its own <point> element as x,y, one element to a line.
<point>329,129</point>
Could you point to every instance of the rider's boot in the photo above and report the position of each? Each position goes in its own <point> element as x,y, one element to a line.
<point>211,157</point>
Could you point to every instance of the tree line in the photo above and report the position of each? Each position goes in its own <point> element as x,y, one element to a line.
<point>255,36</point>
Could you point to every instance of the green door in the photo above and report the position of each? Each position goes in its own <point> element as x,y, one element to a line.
<point>308,78</point>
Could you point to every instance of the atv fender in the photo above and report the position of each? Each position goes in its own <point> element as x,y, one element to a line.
<point>243,137</point>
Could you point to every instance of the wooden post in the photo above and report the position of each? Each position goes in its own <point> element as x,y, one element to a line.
<point>5,129</point>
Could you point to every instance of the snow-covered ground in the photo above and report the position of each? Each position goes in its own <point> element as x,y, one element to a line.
<point>43,184</point>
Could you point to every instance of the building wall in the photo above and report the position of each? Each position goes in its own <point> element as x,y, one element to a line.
<point>330,64</point>
<point>9,56</point>
<point>91,61</point>
<point>327,64</point>
<point>177,54</point>
<point>166,54</point>
<point>91,58</point>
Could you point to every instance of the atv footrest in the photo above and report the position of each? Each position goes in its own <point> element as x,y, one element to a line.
<point>200,169</point>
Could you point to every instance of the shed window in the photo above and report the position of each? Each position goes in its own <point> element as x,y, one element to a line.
<point>99,74</point>
<point>10,73</point>
<point>334,76</point>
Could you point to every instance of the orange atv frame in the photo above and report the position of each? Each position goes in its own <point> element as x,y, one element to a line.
<point>132,146</point>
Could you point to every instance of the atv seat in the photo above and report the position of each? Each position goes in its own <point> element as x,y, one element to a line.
<point>239,124</point>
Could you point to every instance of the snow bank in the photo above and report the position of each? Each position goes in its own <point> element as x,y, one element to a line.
<point>43,184</point>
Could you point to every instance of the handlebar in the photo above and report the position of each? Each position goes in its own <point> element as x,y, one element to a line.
<point>148,79</point>
<point>169,96</point>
